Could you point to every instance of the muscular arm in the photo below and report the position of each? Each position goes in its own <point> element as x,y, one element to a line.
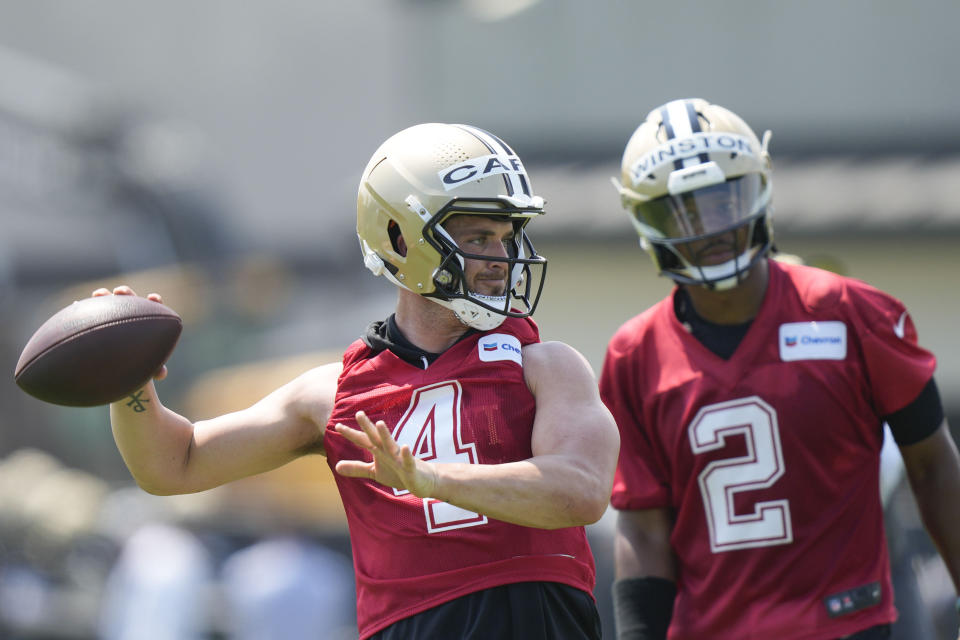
<point>933,468</point>
<point>565,483</point>
<point>167,454</point>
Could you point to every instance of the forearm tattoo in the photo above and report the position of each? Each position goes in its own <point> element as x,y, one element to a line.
<point>138,403</point>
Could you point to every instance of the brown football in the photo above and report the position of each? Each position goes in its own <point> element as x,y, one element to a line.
<point>98,350</point>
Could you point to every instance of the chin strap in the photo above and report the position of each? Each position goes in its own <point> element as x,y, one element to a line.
<point>473,315</point>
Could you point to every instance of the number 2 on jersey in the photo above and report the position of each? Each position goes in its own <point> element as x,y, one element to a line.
<point>431,427</point>
<point>721,480</point>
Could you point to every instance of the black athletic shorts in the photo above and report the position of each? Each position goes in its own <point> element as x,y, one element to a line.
<point>520,611</point>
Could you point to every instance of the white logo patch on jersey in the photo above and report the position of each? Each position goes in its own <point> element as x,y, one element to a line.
<point>500,346</point>
<point>813,341</point>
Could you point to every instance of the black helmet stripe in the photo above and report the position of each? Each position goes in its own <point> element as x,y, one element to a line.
<point>680,120</point>
<point>499,141</point>
<point>524,186</point>
<point>667,125</point>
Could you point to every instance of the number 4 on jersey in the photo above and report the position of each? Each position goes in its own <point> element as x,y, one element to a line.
<point>431,427</point>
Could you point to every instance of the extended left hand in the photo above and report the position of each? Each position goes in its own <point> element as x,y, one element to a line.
<point>392,465</point>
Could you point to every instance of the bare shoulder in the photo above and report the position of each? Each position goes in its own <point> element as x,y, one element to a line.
<point>309,396</point>
<point>314,391</point>
<point>304,406</point>
<point>326,375</point>
<point>555,361</point>
<point>552,353</point>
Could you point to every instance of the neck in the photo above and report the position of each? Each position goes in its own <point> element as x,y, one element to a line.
<point>733,306</point>
<point>426,324</point>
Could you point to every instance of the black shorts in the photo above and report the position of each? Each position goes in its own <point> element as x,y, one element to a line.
<point>519,611</point>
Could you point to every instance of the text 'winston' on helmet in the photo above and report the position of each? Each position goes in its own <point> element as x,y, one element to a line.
<point>696,182</point>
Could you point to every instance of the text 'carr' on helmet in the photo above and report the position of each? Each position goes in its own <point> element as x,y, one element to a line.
<point>420,178</point>
<point>696,182</point>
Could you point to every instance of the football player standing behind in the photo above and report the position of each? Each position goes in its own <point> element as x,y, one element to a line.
<point>750,404</point>
<point>468,454</point>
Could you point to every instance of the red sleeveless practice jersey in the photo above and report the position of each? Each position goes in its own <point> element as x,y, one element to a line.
<point>470,405</point>
<point>770,460</point>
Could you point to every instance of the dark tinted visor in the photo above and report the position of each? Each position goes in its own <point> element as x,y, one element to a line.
<point>704,211</point>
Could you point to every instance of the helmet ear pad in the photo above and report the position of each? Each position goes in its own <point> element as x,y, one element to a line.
<point>449,276</point>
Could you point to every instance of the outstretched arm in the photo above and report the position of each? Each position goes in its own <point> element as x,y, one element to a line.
<point>565,483</point>
<point>168,454</point>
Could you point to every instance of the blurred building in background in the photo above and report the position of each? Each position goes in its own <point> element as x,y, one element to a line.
<point>211,152</point>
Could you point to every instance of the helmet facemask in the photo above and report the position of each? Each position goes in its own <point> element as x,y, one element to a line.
<point>710,236</point>
<point>525,268</point>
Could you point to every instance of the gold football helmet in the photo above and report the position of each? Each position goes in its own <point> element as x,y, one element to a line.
<point>695,172</point>
<point>418,179</point>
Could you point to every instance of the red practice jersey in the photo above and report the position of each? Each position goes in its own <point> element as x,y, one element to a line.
<point>769,460</point>
<point>470,405</point>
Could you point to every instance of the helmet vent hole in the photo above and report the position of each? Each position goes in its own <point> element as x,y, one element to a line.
<point>396,238</point>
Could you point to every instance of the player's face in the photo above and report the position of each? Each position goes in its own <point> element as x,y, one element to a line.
<point>702,214</point>
<point>713,218</point>
<point>487,237</point>
<point>715,250</point>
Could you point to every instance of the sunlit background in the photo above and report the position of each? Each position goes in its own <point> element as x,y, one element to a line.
<point>211,150</point>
